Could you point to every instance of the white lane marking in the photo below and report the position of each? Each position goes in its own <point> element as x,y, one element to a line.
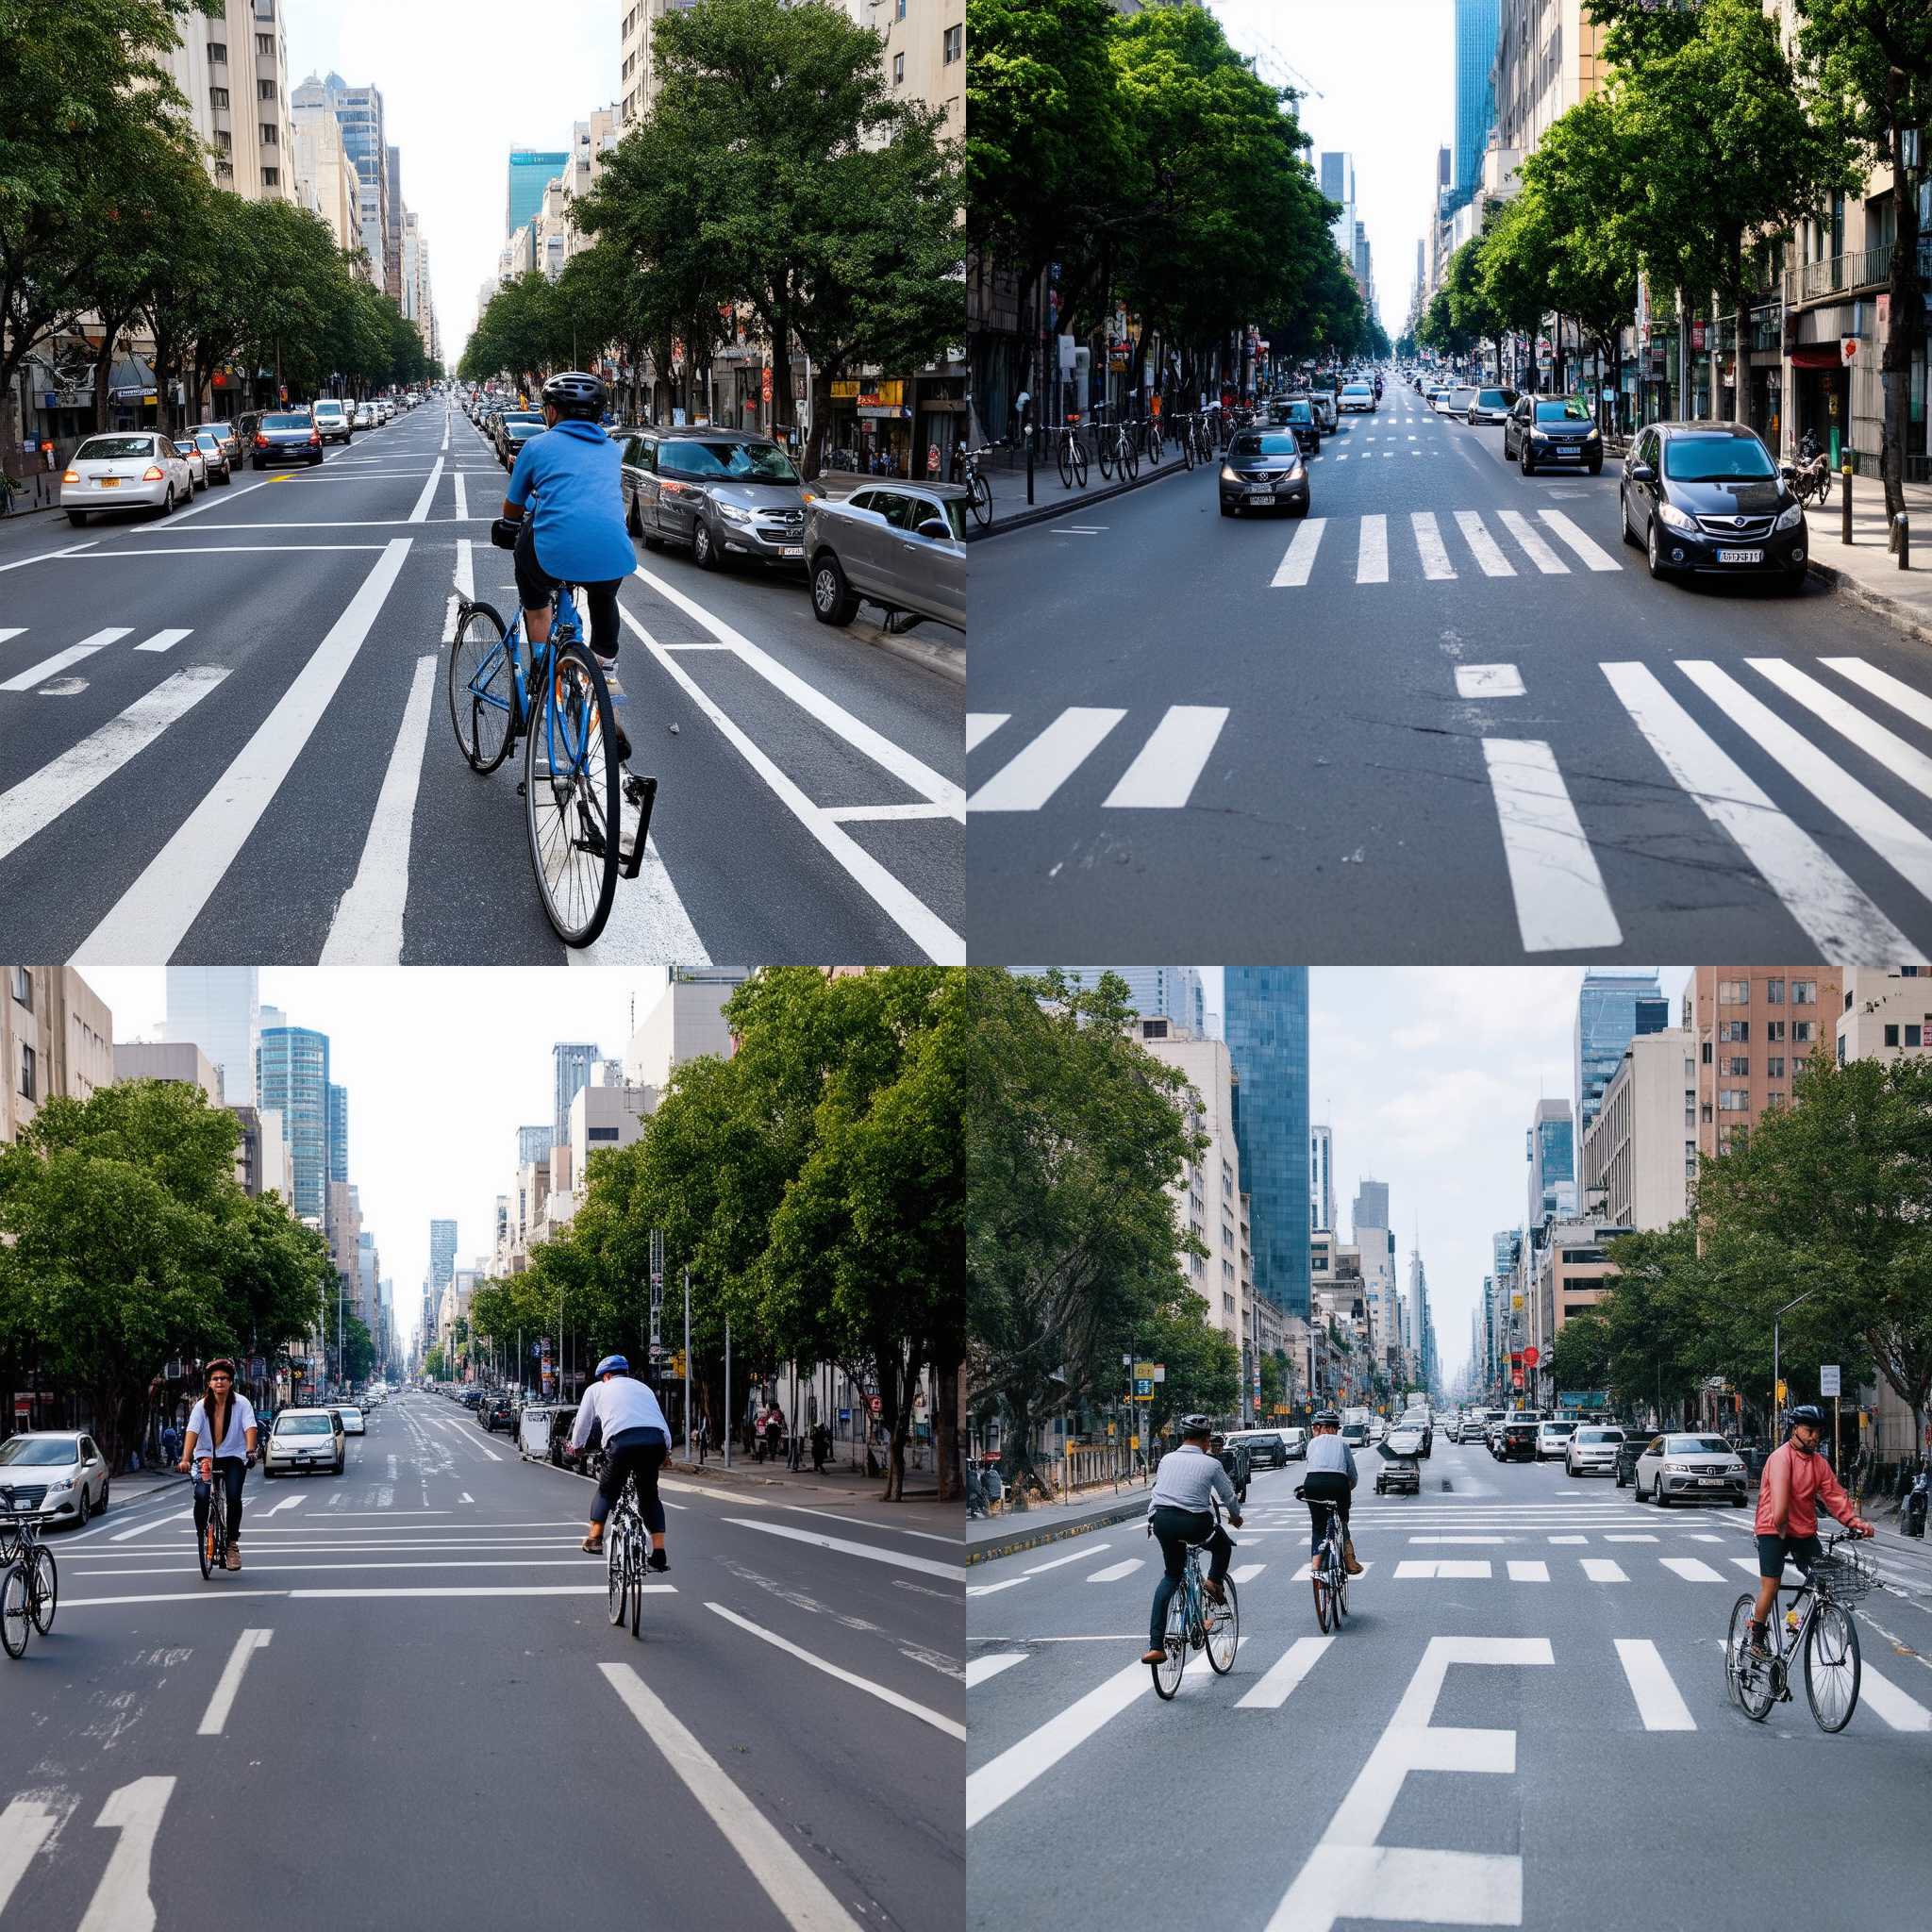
<point>925,1565</point>
<point>924,1536</point>
<point>1528,1569</point>
<point>797,1891</point>
<point>1659,1703</point>
<point>462,499</point>
<point>367,929</point>
<point>489,1589</point>
<point>421,513</point>
<point>447,421</point>
<point>1691,1568</point>
<point>1488,681</point>
<point>1602,1569</point>
<point>287,1503</point>
<point>1592,553</point>
<point>1372,557</point>
<point>1568,1538</point>
<point>1026,781</point>
<point>1488,552</point>
<point>1171,762</point>
<point>1015,1767</point>
<point>174,550</point>
<point>216,1715</point>
<point>25,1826</point>
<point>980,726</point>
<point>152,1523</point>
<point>8,633</point>
<point>1246,1572</point>
<point>937,1720</point>
<point>64,782</point>
<point>154,914</point>
<point>1560,900</point>
<point>1892,750</point>
<point>1085,1556</point>
<point>899,903</point>
<point>1278,1682</point>
<point>1461,1569</point>
<point>1428,540</point>
<point>71,550</point>
<point>1612,1535</point>
<point>1114,1572</point>
<point>979,1669</point>
<point>993,1588</point>
<point>1821,897</point>
<point>466,569</point>
<point>121,1902</point>
<point>165,640</point>
<point>1537,551</point>
<point>1298,560</point>
<point>1881,684</point>
<point>1462,1539</point>
<point>49,667</point>
<point>465,1497</point>
<point>1698,1536</point>
<point>1901,1711</point>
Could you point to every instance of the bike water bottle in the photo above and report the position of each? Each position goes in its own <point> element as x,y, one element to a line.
<point>1791,1622</point>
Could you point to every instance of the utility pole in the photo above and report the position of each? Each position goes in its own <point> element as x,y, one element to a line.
<point>687,1364</point>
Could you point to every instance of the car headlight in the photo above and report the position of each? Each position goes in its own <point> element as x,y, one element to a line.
<point>55,1488</point>
<point>1228,474</point>
<point>1675,519</point>
<point>1791,519</point>
<point>1678,1468</point>
<point>1592,434</point>
<point>1538,436</point>
<point>733,513</point>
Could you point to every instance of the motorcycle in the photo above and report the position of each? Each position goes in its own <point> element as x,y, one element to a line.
<point>1912,1515</point>
<point>1811,473</point>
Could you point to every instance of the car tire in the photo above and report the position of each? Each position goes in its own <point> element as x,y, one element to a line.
<point>168,504</point>
<point>77,518</point>
<point>1597,469</point>
<point>255,463</point>
<point>1657,1496</point>
<point>101,1508</point>
<point>315,459</point>
<point>81,1520</point>
<point>704,547</point>
<point>1527,467</point>
<point>1793,584</point>
<point>1653,553</point>
<point>833,600</point>
<point>631,521</point>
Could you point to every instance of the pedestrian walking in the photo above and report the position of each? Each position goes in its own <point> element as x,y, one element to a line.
<point>704,1437</point>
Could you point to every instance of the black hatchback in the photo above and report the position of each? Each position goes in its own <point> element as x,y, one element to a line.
<point>1706,498</point>
<point>1633,1445</point>
<point>1553,431</point>
<point>1263,470</point>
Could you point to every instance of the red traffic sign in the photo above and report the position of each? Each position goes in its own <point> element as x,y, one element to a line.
<point>1529,1357</point>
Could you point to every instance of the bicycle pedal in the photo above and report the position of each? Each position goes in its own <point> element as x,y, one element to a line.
<point>642,794</point>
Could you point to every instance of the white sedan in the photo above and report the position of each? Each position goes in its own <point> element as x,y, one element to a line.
<point>365,416</point>
<point>1359,395</point>
<point>352,1424</point>
<point>58,1475</point>
<point>189,453</point>
<point>128,469</point>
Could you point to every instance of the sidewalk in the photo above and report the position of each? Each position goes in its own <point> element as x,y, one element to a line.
<point>1006,473</point>
<point>840,1487</point>
<point>1865,571</point>
<point>1013,1530</point>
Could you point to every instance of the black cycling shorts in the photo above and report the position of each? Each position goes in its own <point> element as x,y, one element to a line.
<point>1772,1551</point>
<point>535,585</point>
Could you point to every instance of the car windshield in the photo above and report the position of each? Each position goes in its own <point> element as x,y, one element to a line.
<point>1697,1446</point>
<point>37,1452</point>
<point>1716,459</point>
<point>1599,1435</point>
<point>183,448</point>
<point>328,408</point>
<point>303,1425</point>
<point>99,448</point>
<point>1357,389</point>
<point>1254,443</point>
<point>206,438</point>
<point>1563,410</point>
<point>744,462</point>
<point>1560,1428</point>
<point>1494,398</point>
<point>1462,395</point>
<point>523,415</point>
<point>287,422</point>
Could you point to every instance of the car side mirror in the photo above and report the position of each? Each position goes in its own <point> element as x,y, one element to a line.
<point>935,528</point>
<point>1640,472</point>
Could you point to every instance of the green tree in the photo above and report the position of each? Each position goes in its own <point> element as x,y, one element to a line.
<point>433,1364</point>
<point>1580,1355</point>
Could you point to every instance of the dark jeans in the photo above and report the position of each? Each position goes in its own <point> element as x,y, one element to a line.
<point>1174,1531</point>
<point>1326,1486</point>
<point>535,584</point>
<point>638,1453</point>
<point>228,1470</point>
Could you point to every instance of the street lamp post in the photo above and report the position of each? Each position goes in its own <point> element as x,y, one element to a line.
<point>1777,1375</point>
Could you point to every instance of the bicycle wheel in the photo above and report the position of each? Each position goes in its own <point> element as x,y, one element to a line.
<point>1749,1676</point>
<point>570,796</point>
<point>1155,444</point>
<point>201,1544</point>
<point>1173,1663</point>
<point>1223,1630</point>
<point>617,1568</point>
<point>14,1613</point>
<point>1324,1609</point>
<point>1080,463</point>
<point>1831,1666</point>
<point>1824,490</point>
<point>1187,445</point>
<point>480,675</point>
<point>1130,461</point>
<point>981,496</point>
<point>1106,453</point>
<point>47,1593</point>
<point>636,1560</point>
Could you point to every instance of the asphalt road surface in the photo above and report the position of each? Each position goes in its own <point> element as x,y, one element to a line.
<point>225,736</point>
<point>1445,718</point>
<point>1525,1720</point>
<point>410,1709</point>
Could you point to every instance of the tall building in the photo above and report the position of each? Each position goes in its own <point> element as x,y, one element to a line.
<point>1639,1157</point>
<point>443,1254</point>
<point>1322,1180</point>
<point>1476,102</point>
<point>57,1038</point>
<point>640,77</point>
<point>291,1076</point>
<point>572,1061</point>
<point>688,1021</point>
<point>1753,1028</point>
<point>339,1133</point>
<point>1374,1241</point>
<point>1886,1014</point>
<point>1551,1146</point>
<point>531,171</point>
<point>1336,171</point>
<point>1543,56</point>
<point>233,68</point>
<point>218,1009</point>
<point>327,183</point>
<point>392,232</point>
<point>534,1143</point>
<point>1171,993</point>
<point>358,111</point>
<point>1266,1023</point>
<point>1612,1008</point>
<point>923,54</point>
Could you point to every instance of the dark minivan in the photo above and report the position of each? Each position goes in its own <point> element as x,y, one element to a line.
<point>1706,498</point>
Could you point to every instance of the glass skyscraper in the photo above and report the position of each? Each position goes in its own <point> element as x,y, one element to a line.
<point>218,1009</point>
<point>531,171</point>
<point>1476,24</point>
<point>534,1144</point>
<point>292,1076</point>
<point>339,1133</point>
<point>443,1254</point>
<point>1171,993</point>
<point>1552,1161</point>
<point>575,1058</point>
<point>1266,1025</point>
<point>1611,1009</point>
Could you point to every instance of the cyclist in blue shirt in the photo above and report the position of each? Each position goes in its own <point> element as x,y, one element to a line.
<point>575,533</point>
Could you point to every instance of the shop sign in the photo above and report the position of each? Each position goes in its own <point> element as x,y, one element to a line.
<point>765,383</point>
<point>1697,335</point>
<point>1848,350</point>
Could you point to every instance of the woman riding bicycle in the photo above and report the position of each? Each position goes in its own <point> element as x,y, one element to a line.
<point>221,1442</point>
<point>1182,1512</point>
<point>1330,1480</point>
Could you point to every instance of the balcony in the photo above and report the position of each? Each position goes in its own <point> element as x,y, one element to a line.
<point>1846,275</point>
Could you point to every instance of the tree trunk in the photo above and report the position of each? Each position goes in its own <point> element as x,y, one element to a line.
<point>948,1433</point>
<point>1907,330</point>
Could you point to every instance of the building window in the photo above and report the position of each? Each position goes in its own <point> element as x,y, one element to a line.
<point>1706,1053</point>
<point>224,141</point>
<point>1774,1067</point>
<point>600,1134</point>
<point>1737,1032</point>
<point>1891,1040</point>
<point>26,1073</point>
<point>1913,1036</point>
<point>271,177</point>
<point>1774,1099</point>
<point>1734,1100</point>
<point>1804,993</point>
<point>1733,992</point>
<point>218,97</point>
<point>265,45</point>
<point>218,50</point>
<point>898,70</point>
<point>1803,1030</point>
<point>1773,992</point>
<point>265,90</point>
<point>952,46</point>
<point>268,135</point>
<point>24,988</point>
<point>1774,1031</point>
<point>1227,1302</point>
<point>898,10</point>
<point>1738,1069</point>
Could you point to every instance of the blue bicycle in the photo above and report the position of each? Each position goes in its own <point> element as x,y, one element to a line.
<point>572,774</point>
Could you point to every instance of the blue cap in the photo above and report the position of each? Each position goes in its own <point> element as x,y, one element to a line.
<point>614,1362</point>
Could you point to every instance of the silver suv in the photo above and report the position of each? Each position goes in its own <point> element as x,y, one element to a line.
<point>899,545</point>
<point>727,492</point>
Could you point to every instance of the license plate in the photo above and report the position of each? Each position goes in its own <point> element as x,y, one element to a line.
<point>109,482</point>
<point>793,550</point>
<point>1741,556</point>
<point>1260,497</point>
<point>1712,1482</point>
<point>1568,455</point>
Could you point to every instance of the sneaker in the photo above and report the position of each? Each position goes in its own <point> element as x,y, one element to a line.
<point>593,1546</point>
<point>658,1559</point>
<point>234,1555</point>
<point>1215,1592</point>
<point>1759,1644</point>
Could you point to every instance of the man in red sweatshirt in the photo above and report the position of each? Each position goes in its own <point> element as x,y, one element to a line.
<point>1794,1478</point>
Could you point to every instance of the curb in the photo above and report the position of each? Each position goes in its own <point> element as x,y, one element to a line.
<point>1072,502</point>
<point>1032,1540</point>
<point>944,660</point>
<point>1846,585</point>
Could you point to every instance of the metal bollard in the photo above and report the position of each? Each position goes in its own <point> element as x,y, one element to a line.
<point>1902,523</point>
<point>1845,534</point>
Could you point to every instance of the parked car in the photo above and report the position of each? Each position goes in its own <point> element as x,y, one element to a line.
<point>303,1438</point>
<point>333,419</point>
<point>1297,1441</point>
<point>1441,399</point>
<point>190,452</point>
<point>230,436</point>
<point>1557,430</point>
<point>1707,497</point>
<point>130,469</point>
<point>285,436</point>
<point>513,428</point>
<point>1265,1448</point>
<point>1356,1435</point>
<point>471,1397</point>
<point>1297,413</point>
<point>494,1411</point>
<point>1633,1445</point>
<point>352,1424</point>
<point>728,493</point>
<point>1327,409</point>
<point>1262,468</point>
<point>1515,1439</point>
<point>58,1475</point>
<point>1553,1439</point>
<point>214,453</point>
<point>1424,1423</point>
<point>1357,395</point>
<point>1592,1448</point>
<point>899,545</point>
<point>1700,1468</point>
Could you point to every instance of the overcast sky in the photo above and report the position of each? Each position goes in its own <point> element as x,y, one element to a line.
<point>1429,1076</point>
<point>443,1065</point>
<point>1378,81</point>
<point>463,82</point>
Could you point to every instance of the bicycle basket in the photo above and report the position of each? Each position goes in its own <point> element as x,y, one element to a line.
<point>1848,1575</point>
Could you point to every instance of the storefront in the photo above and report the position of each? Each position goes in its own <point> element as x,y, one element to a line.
<point>872,423</point>
<point>938,421</point>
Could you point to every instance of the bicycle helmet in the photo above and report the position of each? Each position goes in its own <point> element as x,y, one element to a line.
<point>1326,1419</point>
<point>1805,1412</point>
<point>1193,1425</point>
<point>575,393</point>
<point>612,1364</point>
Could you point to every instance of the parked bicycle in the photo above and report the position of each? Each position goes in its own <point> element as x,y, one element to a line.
<point>1070,454</point>
<point>978,490</point>
<point>1811,473</point>
<point>572,774</point>
<point>1815,1625</point>
<point>30,1587</point>
<point>1154,441</point>
<point>1327,1571</point>
<point>624,1545</point>
<point>1117,449</point>
<point>1196,1622</point>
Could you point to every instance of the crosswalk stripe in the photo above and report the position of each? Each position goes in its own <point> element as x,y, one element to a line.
<point>36,801</point>
<point>1882,684</point>
<point>1277,1683</point>
<point>9,632</point>
<point>1428,540</point>
<point>1372,557</point>
<point>1602,1569</point>
<point>1528,1569</point>
<point>1821,897</point>
<point>1639,1537</point>
<point>1891,835</point>
<point>1030,779</point>
<point>980,726</point>
<point>979,1669</point>
<point>1114,1572</point>
<point>1692,1568</point>
<point>1015,1767</point>
<point>1246,1572</point>
<point>165,640</point>
<point>1659,1703</point>
<point>51,667</point>
<point>1299,558</point>
<point>1592,553</point>
<point>1476,535</point>
<point>1172,759</point>
<point>1560,900</point>
<point>1451,1567</point>
<point>1536,550</point>
<point>1904,761</point>
<point>1902,1711</point>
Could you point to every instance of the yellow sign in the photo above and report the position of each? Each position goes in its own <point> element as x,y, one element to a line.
<point>1143,1372</point>
<point>1109,1430</point>
<point>1780,1391</point>
<point>1515,1301</point>
<point>1133,1441</point>
<point>677,1363</point>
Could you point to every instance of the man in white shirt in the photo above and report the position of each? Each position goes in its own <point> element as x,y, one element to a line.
<point>636,1439</point>
<point>221,1438</point>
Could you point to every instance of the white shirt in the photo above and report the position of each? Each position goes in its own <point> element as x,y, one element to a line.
<point>1189,1478</point>
<point>241,1420</point>
<point>622,1403</point>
